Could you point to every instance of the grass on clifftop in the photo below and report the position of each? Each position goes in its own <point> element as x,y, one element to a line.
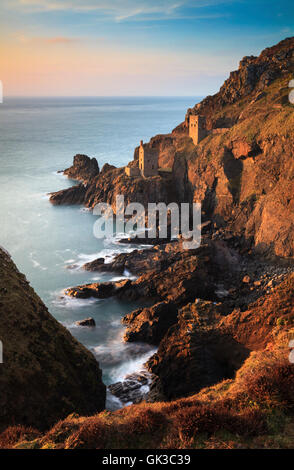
<point>270,116</point>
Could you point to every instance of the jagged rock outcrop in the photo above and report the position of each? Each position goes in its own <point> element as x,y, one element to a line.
<point>150,324</point>
<point>112,182</point>
<point>46,374</point>
<point>141,261</point>
<point>69,196</point>
<point>186,274</point>
<point>138,261</point>
<point>83,168</point>
<point>99,290</point>
<point>194,353</point>
<point>252,79</point>
<point>207,345</point>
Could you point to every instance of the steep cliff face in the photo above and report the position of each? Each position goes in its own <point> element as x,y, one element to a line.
<point>253,77</point>
<point>244,177</point>
<point>46,374</point>
<point>194,353</point>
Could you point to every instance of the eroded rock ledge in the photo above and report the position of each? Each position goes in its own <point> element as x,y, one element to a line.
<point>204,346</point>
<point>179,276</point>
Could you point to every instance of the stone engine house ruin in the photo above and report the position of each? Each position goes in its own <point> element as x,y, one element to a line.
<point>147,165</point>
<point>197,128</point>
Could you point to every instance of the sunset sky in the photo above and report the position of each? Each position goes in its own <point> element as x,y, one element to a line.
<point>132,47</point>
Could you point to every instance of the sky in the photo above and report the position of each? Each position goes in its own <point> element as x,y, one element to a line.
<point>132,47</point>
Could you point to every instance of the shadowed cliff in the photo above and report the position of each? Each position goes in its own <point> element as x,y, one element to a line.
<point>46,373</point>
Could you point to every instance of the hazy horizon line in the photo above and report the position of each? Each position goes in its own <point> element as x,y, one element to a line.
<point>103,96</point>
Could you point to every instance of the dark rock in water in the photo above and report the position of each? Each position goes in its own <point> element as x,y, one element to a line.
<point>73,195</point>
<point>83,168</point>
<point>101,290</point>
<point>179,275</point>
<point>151,323</point>
<point>46,374</point>
<point>86,322</point>
<point>95,265</point>
<point>134,388</point>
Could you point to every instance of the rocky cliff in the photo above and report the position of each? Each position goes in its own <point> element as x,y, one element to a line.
<point>46,374</point>
<point>83,168</point>
<point>243,176</point>
<point>206,345</point>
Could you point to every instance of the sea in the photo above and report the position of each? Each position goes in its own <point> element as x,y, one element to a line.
<point>49,244</point>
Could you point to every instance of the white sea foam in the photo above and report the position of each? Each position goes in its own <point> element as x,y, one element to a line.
<point>65,301</point>
<point>119,373</point>
<point>115,350</point>
<point>112,403</point>
<point>112,248</point>
<point>60,174</point>
<point>129,275</point>
<point>36,263</point>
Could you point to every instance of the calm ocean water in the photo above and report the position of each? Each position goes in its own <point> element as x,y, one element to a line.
<point>38,137</point>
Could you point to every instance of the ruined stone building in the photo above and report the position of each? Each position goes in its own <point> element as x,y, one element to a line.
<point>148,160</point>
<point>147,165</point>
<point>197,128</point>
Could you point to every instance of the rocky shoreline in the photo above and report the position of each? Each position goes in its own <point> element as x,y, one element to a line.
<point>235,282</point>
